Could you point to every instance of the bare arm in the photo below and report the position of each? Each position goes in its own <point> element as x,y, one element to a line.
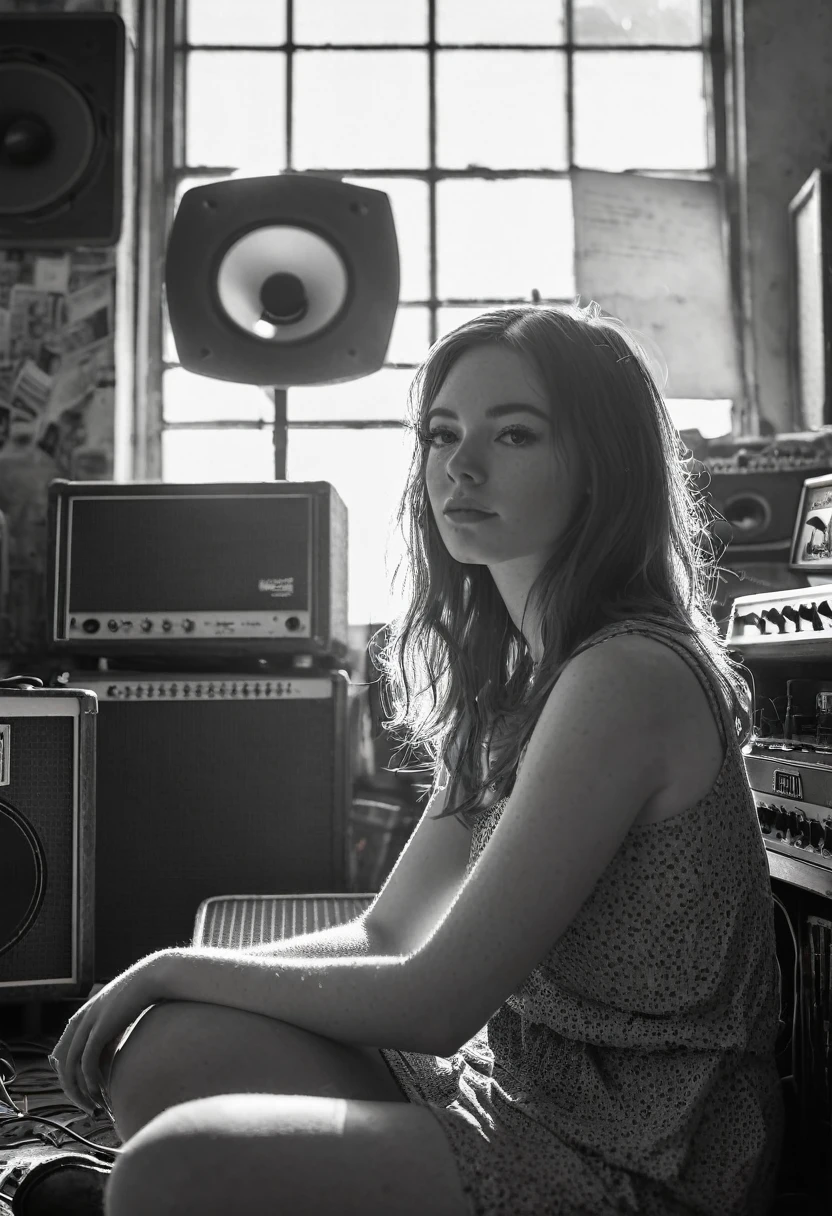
<point>372,1001</point>
<point>352,939</point>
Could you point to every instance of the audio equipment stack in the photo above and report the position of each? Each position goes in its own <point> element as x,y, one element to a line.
<point>208,621</point>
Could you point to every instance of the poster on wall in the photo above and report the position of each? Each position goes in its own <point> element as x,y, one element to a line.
<point>57,390</point>
<point>57,360</point>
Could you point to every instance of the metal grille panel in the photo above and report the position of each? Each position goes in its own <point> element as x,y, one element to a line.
<point>241,921</point>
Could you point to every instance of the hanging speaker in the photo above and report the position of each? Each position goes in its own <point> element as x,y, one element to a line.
<point>61,87</point>
<point>284,280</point>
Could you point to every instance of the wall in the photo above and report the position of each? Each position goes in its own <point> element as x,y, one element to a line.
<point>787,93</point>
<point>57,396</point>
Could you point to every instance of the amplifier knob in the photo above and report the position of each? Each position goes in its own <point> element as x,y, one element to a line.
<point>188,625</point>
<point>112,626</point>
<point>146,625</point>
<point>166,626</point>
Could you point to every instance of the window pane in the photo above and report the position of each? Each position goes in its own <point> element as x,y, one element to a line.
<point>250,22</point>
<point>360,109</point>
<point>501,239</point>
<point>218,455</point>
<point>485,100</point>
<point>410,338</point>
<point>710,418</point>
<point>369,470</point>
<point>409,200</point>
<point>637,21</point>
<point>236,109</point>
<point>380,397</point>
<point>640,109</point>
<point>191,398</point>
<point>495,21</point>
<point>361,21</point>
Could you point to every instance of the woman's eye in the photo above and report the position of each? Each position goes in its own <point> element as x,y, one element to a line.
<point>526,435</point>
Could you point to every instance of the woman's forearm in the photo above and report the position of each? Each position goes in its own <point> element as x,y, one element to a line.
<point>350,940</point>
<point>373,1001</point>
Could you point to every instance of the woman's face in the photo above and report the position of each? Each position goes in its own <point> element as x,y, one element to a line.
<point>509,464</point>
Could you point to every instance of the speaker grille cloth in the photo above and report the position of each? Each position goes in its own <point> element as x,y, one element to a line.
<point>240,921</point>
<point>42,790</point>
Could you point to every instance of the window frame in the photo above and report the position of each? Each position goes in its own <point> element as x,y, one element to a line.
<point>161,121</point>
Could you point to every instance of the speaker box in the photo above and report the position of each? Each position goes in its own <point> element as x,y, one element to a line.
<point>61,104</point>
<point>759,505</point>
<point>47,841</point>
<point>229,783</point>
<point>284,280</point>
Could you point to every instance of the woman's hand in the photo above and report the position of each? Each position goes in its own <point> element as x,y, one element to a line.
<point>105,1017</point>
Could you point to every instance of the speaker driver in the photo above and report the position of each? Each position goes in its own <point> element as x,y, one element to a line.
<point>23,873</point>
<point>282,283</point>
<point>47,138</point>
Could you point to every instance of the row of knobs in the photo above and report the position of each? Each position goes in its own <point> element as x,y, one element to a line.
<point>794,828</point>
<point>146,625</point>
<point>806,618</point>
<point>197,690</point>
<point>92,625</point>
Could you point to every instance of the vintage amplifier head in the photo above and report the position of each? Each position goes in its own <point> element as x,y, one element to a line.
<point>159,569</point>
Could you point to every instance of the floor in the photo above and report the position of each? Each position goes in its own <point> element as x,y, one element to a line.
<point>35,1091</point>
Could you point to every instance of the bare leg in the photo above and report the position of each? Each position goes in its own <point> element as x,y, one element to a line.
<point>181,1050</point>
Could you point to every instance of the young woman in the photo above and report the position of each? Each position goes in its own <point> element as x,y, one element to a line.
<point>571,971</point>
<point>627,1063</point>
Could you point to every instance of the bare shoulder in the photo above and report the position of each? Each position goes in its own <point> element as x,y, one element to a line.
<point>656,681</point>
<point>691,747</point>
<point>636,656</point>
<point>631,657</point>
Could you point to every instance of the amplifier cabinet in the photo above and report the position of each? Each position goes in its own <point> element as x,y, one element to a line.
<point>208,784</point>
<point>222,571</point>
<point>47,842</point>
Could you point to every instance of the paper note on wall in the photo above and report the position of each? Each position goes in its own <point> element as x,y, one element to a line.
<point>653,252</point>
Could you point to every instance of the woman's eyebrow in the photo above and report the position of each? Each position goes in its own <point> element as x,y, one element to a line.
<point>495,411</point>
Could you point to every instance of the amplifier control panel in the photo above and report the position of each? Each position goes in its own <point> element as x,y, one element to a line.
<point>205,687</point>
<point>126,625</point>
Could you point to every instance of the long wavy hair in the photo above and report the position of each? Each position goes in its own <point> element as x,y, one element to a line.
<point>456,671</point>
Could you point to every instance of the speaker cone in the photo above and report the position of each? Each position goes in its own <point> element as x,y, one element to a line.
<point>47,138</point>
<point>282,283</point>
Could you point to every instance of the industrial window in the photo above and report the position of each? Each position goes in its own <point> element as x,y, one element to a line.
<point>464,113</point>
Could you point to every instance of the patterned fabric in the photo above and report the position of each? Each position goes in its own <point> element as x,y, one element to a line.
<point>634,1070</point>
